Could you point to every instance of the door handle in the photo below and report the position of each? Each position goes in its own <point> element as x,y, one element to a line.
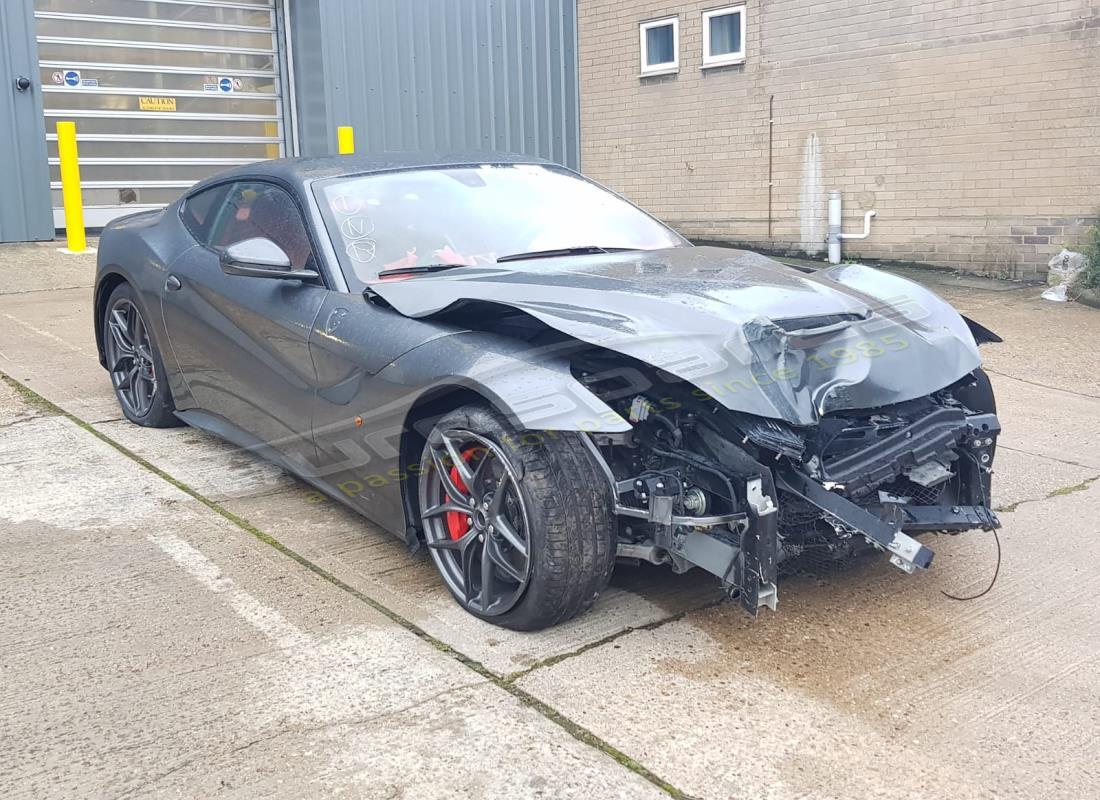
<point>172,284</point>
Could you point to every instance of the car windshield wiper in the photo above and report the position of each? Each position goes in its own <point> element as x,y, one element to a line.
<point>420,270</point>
<point>563,251</point>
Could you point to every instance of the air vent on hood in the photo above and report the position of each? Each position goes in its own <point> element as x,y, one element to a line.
<point>792,324</point>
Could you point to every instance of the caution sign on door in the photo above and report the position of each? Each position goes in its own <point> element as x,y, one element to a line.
<point>157,103</point>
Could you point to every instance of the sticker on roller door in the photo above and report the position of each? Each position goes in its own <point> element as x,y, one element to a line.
<point>71,77</point>
<point>156,104</point>
<point>228,85</point>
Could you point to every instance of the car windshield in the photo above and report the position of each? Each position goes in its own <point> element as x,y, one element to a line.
<point>467,216</point>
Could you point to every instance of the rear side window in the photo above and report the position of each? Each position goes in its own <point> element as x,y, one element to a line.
<point>199,211</point>
<point>262,210</point>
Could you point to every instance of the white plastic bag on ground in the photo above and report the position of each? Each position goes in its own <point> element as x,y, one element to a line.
<point>1064,270</point>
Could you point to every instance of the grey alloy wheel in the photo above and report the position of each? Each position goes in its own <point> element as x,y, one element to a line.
<point>476,523</point>
<point>130,359</point>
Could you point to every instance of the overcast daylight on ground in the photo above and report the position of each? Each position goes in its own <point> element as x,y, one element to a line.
<point>549,399</point>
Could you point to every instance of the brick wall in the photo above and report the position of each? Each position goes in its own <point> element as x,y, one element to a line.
<point>971,126</point>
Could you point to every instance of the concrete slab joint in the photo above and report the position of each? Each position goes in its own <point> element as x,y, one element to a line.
<point>180,619</point>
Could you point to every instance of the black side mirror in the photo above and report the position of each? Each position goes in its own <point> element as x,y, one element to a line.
<point>262,258</point>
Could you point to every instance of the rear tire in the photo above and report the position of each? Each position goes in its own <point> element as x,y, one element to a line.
<point>135,364</point>
<point>552,501</point>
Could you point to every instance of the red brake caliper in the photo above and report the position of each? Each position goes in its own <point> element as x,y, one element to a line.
<point>457,521</point>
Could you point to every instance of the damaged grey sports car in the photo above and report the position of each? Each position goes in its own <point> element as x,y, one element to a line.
<point>501,361</point>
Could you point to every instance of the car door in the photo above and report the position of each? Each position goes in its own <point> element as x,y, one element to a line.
<point>360,408</point>
<point>241,342</point>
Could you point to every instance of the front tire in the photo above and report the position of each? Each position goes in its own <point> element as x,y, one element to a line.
<point>518,523</point>
<point>135,364</point>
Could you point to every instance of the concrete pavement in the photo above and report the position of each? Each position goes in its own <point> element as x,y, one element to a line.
<point>152,648</point>
<point>156,639</point>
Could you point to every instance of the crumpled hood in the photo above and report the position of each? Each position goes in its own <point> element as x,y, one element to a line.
<point>756,335</point>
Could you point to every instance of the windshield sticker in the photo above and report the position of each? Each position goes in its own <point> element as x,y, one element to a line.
<point>354,228</point>
<point>361,250</point>
<point>347,204</point>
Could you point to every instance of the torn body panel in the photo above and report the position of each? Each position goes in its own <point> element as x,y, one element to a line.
<point>775,418</point>
<point>755,335</point>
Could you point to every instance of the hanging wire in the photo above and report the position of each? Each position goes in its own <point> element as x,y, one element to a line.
<point>997,568</point>
<point>996,572</point>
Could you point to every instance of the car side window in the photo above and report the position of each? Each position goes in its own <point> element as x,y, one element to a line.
<point>254,209</point>
<point>199,211</point>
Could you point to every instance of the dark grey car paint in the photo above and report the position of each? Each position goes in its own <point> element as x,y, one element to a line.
<point>240,361</point>
<point>707,315</point>
<point>323,381</point>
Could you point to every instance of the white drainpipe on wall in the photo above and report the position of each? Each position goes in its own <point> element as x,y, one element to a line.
<point>835,236</point>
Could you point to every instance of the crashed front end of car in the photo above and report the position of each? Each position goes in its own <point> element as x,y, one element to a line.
<point>850,458</point>
<point>694,482</point>
<point>755,418</point>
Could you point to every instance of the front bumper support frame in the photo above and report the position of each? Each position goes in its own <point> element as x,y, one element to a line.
<point>906,553</point>
<point>740,548</point>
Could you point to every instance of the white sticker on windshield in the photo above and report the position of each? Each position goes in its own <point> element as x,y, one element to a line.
<point>356,227</point>
<point>346,204</point>
<point>361,251</point>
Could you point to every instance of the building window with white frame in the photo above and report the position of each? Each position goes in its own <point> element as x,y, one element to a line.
<point>724,36</point>
<point>660,43</point>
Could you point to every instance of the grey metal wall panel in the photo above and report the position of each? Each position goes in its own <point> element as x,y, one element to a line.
<point>439,75</point>
<point>25,189</point>
<point>315,134</point>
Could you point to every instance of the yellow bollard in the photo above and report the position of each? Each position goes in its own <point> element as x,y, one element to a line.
<point>70,187</point>
<point>345,140</point>
<point>271,130</point>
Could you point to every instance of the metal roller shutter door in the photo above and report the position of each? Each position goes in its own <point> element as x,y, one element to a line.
<point>163,93</point>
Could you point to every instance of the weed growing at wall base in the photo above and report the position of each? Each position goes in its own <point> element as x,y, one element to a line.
<point>1091,249</point>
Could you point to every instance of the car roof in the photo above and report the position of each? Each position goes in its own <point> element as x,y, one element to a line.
<point>302,170</point>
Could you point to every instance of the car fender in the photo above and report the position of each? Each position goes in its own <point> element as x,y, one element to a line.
<point>140,249</point>
<point>909,301</point>
<point>368,426</point>
<point>532,386</point>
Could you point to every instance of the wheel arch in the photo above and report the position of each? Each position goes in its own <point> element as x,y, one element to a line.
<point>432,404</point>
<point>110,279</point>
<point>533,393</point>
